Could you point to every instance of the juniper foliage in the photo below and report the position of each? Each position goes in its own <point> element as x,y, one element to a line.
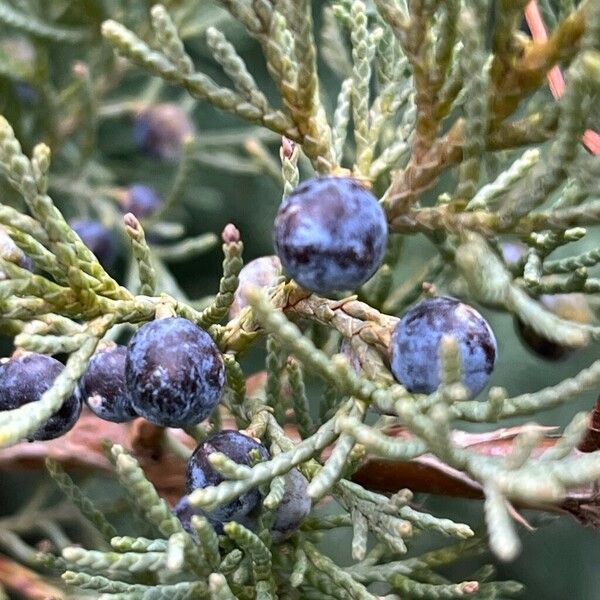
<point>442,109</point>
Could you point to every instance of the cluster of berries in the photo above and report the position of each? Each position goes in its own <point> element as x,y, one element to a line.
<point>290,512</point>
<point>171,373</point>
<point>160,132</point>
<point>330,234</point>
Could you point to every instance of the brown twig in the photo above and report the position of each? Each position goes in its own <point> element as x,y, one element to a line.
<point>430,475</point>
<point>591,440</point>
<point>81,448</point>
<point>26,583</point>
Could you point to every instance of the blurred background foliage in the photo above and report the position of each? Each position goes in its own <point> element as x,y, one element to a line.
<point>234,178</point>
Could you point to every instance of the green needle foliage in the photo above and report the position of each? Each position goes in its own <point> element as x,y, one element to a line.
<point>441,108</point>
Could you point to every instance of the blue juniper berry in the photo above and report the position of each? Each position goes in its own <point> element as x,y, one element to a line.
<point>103,385</point>
<point>330,234</point>
<point>98,238</point>
<point>24,379</point>
<point>161,130</point>
<point>415,343</point>
<point>174,372</point>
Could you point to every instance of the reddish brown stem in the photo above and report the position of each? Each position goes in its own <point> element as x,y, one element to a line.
<point>591,441</point>
<point>591,139</point>
<point>82,448</point>
<point>26,583</point>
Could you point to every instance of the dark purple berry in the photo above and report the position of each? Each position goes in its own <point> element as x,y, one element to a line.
<point>415,343</point>
<point>26,93</point>
<point>174,372</point>
<point>572,307</point>
<point>162,129</point>
<point>330,234</point>
<point>20,53</point>
<point>184,511</point>
<point>141,200</point>
<point>97,238</point>
<point>24,379</point>
<point>103,386</point>
<point>260,272</point>
<point>293,508</point>
<point>201,474</point>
